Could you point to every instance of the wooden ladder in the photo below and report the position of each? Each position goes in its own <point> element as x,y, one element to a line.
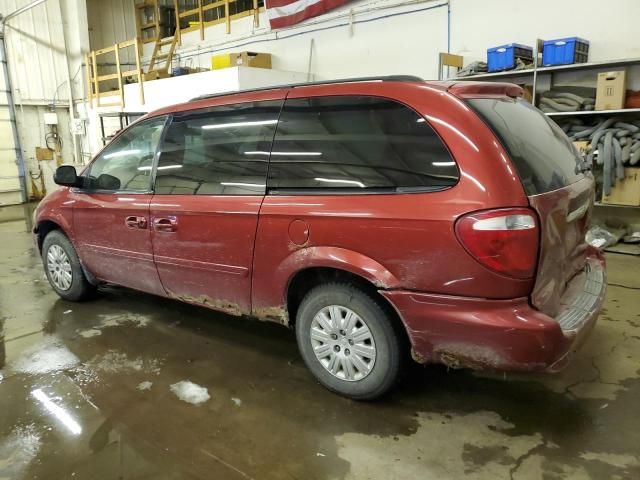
<point>160,62</point>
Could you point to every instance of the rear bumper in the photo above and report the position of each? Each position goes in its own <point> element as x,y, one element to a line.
<point>502,334</point>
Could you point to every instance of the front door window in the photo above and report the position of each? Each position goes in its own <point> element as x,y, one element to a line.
<point>125,164</point>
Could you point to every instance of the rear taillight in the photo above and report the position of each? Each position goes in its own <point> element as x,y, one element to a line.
<point>504,240</point>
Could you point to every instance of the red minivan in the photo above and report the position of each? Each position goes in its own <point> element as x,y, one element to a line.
<point>374,216</point>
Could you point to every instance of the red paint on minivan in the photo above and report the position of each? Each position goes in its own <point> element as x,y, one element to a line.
<point>481,256</point>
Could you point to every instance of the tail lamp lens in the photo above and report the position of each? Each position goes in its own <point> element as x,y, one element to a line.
<point>504,240</point>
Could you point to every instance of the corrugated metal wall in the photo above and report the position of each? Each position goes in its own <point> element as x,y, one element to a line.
<point>9,179</point>
<point>35,49</point>
<point>110,22</point>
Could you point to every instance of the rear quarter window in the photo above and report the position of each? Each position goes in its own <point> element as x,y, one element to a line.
<point>542,154</point>
<point>357,144</point>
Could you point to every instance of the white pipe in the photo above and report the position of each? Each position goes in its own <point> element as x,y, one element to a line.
<point>72,115</point>
<point>17,12</point>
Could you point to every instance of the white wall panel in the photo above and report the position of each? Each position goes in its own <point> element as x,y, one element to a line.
<point>110,22</point>
<point>365,38</point>
<point>611,27</point>
<point>35,50</point>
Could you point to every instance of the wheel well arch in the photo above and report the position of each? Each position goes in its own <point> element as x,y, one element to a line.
<point>44,228</point>
<point>304,280</point>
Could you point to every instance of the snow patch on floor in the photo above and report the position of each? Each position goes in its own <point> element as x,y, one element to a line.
<point>92,332</point>
<point>17,451</point>
<point>190,392</point>
<point>128,319</point>
<point>47,356</point>
<point>114,362</point>
<point>142,386</point>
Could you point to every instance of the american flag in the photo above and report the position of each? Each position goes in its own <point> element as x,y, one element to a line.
<point>283,13</point>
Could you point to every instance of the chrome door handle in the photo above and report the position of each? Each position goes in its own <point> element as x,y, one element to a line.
<point>136,222</point>
<point>165,224</point>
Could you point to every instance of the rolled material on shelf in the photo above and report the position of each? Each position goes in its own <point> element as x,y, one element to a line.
<point>567,99</point>
<point>614,143</point>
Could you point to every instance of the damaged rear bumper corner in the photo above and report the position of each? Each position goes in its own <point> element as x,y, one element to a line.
<point>505,335</point>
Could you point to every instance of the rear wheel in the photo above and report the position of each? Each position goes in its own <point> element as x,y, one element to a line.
<point>348,341</point>
<point>63,269</point>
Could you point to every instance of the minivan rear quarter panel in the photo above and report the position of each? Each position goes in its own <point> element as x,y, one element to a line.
<point>401,240</point>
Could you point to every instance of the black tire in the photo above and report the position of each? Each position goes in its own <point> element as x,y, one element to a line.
<point>80,289</point>
<point>387,341</point>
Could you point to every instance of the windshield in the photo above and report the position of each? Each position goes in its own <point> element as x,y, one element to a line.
<point>542,154</point>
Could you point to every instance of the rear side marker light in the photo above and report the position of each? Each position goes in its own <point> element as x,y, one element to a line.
<point>503,240</point>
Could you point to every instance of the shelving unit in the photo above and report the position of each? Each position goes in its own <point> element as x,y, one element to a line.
<point>531,76</point>
<point>594,112</point>
<point>154,20</point>
<point>532,73</point>
<point>557,68</point>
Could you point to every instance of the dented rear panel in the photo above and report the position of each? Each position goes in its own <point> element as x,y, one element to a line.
<point>558,188</point>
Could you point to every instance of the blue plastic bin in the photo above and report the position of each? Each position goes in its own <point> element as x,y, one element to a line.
<point>504,56</point>
<point>565,51</point>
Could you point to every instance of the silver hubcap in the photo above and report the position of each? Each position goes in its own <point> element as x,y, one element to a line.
<point>343,343</point>
<point>59,267</point>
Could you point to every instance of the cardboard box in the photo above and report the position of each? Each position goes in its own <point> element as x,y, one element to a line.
<point>155,75</point>
<point>242,59</point>
<point>611,90</point>
<point>527,92</point>
<point>43,154</point>
<point>582,146</point>
<point>627,191</point>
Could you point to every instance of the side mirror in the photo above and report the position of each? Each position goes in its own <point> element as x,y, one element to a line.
<point>66,176</point>
<point>107,182</point>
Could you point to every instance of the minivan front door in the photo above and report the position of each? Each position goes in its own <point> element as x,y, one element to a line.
<point>210,184</point>
<point>111,211</point>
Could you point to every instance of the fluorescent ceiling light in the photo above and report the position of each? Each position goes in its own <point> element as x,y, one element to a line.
<point>239,124</point>
<point>240,184</point>
<point>122,153</point>
<point>57,411</point>
<point>336,180</point>
<point>285,154</point>
<point>443,164</point>
<point>164,167</point>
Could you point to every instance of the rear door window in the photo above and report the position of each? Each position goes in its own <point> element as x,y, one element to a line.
<point>543,156</point>
<point>218,151</point>
<point>357,143</point>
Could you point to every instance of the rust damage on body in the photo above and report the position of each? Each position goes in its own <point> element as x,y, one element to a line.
<point>213,303</point>
<point>417,357</point>
<point>276,314</point>
<point>475,357</point>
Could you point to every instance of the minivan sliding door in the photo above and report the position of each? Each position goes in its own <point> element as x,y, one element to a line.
<point>210,184</point>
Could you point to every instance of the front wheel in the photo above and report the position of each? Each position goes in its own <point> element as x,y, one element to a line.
<point>348,341</point>
<point>63,269</point>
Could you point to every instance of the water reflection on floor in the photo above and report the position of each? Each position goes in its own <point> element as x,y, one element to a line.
<point>86,392</point>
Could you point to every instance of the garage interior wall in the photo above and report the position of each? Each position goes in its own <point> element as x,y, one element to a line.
<point>365,37</point>
<point>10,190</point>
<point>45,48</point>
<point>372,37</point>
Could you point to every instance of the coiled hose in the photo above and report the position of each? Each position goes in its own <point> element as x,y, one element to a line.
<point>616,142</point>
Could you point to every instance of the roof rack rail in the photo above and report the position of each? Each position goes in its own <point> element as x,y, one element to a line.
<point>388,78</point>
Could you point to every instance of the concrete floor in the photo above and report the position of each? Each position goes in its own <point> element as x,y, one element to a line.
<point>71,405</point>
